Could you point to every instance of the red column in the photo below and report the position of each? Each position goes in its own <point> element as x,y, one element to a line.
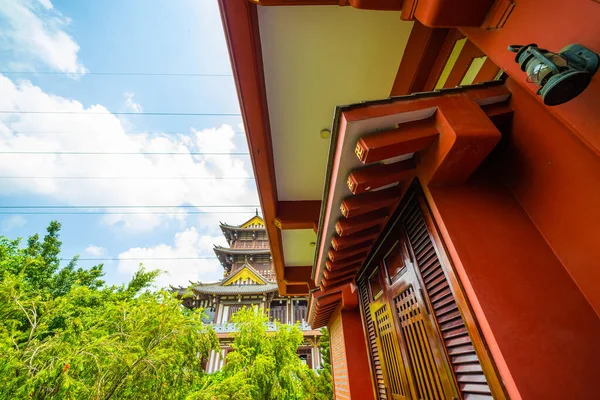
<point>349,360</point>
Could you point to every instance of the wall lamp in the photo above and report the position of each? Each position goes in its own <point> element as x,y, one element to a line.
<point>561,76</point>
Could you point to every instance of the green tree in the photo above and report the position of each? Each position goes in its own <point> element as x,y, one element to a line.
<point>325,347</point>
<point>325,379</point>
<point>64,334</point>
<point>263,364</point>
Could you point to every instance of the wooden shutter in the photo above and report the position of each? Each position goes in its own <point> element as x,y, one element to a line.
<point>464,362</point>
<point>278,311</point>
<point>372,341</point>
<point>428,384</point>
<point>300,309</point>
<point>392,358</point>
<point>423,339</point>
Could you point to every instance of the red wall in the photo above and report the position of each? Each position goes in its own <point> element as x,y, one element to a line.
<point>349,359</point>
<point>556,178</point>
<point>543,334</point>
<point>551,24</point>
<point>524,235</point>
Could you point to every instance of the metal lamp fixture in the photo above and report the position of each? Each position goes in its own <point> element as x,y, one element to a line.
<point>561,76</point>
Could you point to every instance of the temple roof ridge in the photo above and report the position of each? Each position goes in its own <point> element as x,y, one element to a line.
<point>229,250</point>
<point>247,224</point>
<point>224,225</point>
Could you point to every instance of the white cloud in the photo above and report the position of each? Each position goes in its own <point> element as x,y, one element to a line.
<point>183,261</point>
<point>13,222</point>
<point>105,133</point>
<point>47,4</point>
<point>35,30</point>
<point>130,104</point>
<point>95,251</point>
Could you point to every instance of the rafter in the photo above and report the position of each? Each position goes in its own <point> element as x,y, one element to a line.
<point>348,226</point>
<point>336,256</point>
<point>377,176</point>
<point>409,137</point>
<point>366,236</point>
<point>353,206</point>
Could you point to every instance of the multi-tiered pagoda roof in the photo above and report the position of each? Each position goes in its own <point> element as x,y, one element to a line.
<point>248,246</point>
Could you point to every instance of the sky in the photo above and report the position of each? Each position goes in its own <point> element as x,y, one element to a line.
<point>58,98</point>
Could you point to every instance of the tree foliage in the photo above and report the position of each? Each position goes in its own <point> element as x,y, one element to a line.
<point>263,365</point>
<point>324,380</point>
<point>66,335</point>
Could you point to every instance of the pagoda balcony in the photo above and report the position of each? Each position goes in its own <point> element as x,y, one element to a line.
<point>229,328</point>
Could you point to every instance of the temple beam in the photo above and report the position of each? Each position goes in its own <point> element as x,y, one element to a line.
<point>422,50</point>
<point>488,71</point>
<point>240,23</point>
<point>298,214</point>
<point>297,290</point>
<point>462,64</point>
<point>297,275</point>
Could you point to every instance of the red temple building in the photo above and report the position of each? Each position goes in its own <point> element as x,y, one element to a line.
<point>433,194</point>
<point>248,281</point>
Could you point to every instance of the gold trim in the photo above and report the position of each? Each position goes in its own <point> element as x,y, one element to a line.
<point>244,273</point>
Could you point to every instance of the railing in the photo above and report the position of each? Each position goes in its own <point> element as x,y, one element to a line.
<point>227,328</point>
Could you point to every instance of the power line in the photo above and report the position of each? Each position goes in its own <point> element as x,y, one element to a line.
<point>129,177</point>
<point>98,133</point>
<point>114,73</point>
<point>123,213</point>
<point>120,113</point>
<point>123,153</point>
<point>140,258</point>
<point>35,206</point>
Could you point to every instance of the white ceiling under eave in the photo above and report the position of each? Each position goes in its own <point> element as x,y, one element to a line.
<point>298,247</point>
<point>315,58</point>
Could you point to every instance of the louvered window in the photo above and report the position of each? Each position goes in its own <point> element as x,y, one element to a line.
<point>427,380</point>
<point>277,311</point>
<point>372,341</point>
<point>300,308</point>
<point>463,359</point>
<point>419,343</point>
<point>390,351</point>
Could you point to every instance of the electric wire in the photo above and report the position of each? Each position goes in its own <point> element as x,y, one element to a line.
<point>140,258</point>
<point>82,210</point>
<point>124,153</point>
<point>64,206</point>
<point>226,178</point>
<point>125,213</point>
<point>152,113</point>
<point>114,73</point>
<point>99,134</point>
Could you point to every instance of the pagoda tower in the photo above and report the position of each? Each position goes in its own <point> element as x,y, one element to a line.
<point>248,280</point>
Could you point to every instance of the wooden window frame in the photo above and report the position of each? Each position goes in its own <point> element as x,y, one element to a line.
<point>375,264</point>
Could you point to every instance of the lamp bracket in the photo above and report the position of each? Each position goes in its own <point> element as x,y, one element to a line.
<point>581,57</point>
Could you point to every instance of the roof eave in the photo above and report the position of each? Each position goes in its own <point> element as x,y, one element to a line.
<point>240,23</point>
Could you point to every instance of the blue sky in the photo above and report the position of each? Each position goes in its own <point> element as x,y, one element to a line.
<point>74,39</point>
